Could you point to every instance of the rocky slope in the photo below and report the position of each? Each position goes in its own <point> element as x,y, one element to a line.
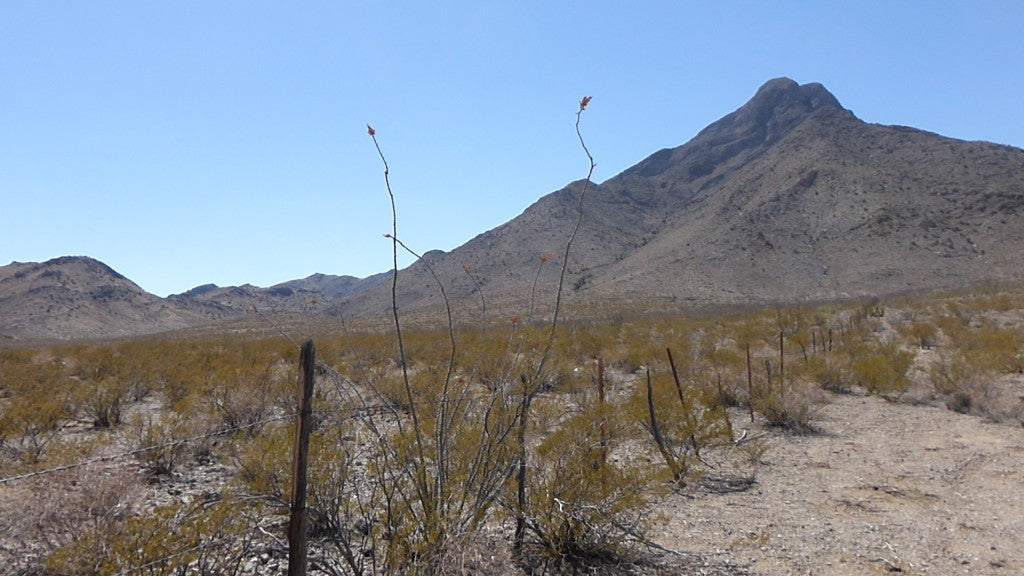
<point>790,197</point>
<point>75,297</point>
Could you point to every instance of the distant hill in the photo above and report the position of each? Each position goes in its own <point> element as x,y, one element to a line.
<point>75,297</point>
<point>304,295</point>
<point>789,198</point>
<point>333,286</point>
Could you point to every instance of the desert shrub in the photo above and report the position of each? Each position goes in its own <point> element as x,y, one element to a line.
<point>492,356</point>
<point>30,419</point>
<point>210,537</point>
<point>922,334</point>
<point>66,520</point>
<point>638,345</point>
<point>440,476</point>
<point>587,340</point>
<point>161,441</point>
<point>881,368</point>
<point>263,464</point>
<point>949,371</point>
<point>722,369</point>
<point>100,393</point>
<point>405,490</point>
<point>992,347</point>
<point>682,420</point>
<point>582,504</point>
<point>790,406</point>
<point>969,388</point>
<point>101,401</point>
<point>831,372</point>
<point>343,506</point>
<point>240,393</point>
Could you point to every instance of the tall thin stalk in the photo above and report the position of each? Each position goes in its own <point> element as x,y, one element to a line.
<point>531,387</point>
<point>421,481</point>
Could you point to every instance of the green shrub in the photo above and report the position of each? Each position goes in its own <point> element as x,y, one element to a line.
<point>882,368</point>
<point>831,372</point>
<point>581,503</point>
<point>682,421</point>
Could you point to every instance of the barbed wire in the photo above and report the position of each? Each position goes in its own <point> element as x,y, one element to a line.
<point>172,556</point>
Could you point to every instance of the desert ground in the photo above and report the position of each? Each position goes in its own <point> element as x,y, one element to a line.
<point>908,480</point>
<point>882,487</point>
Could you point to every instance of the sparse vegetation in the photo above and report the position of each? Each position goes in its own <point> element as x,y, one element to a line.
<point>378,499</point>
<point>434,447</point>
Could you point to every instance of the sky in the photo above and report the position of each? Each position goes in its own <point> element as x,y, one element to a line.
<point>193,142</point>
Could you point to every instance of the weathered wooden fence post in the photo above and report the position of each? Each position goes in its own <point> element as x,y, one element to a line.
<point>782,364</point>
<point>602,413</point>
<point>750,384</point>
<point>303,426</point>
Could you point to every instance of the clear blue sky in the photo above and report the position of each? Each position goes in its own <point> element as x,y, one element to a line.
<point>192,142</point>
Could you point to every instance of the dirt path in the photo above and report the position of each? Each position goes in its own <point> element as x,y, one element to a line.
<point>884,488</point>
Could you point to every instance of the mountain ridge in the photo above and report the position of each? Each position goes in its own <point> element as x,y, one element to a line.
<point>789,197</point>
<point>788,183</point>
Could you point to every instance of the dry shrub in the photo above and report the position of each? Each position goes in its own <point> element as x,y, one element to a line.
<point>831,372</point>
<point>101,401</point>
<point>206,538</point>
<point>791,406</point>
<point>49,516</point>
<point>972,389</point>
<point>34,403</point>
<point>922,334</point>
<point>682,421</point>
<point>161,440</point>
<point>581,504</point>
<point>882,368</point>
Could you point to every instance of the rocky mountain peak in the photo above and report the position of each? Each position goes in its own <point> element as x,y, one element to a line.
<point>782,93</point>
<point>779,105</point>
<point>83,265</point>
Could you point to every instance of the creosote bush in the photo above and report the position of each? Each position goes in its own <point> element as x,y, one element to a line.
<point>583,503</point>
<point>882,369</point>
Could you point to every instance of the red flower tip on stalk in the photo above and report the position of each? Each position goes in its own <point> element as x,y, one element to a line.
<point>545,257</point>
<point>583,102</point>
<point>514,320</point>
<point>372,132</point>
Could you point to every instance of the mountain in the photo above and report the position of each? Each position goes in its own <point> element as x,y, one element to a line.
<point>790,197</point>
<point>333,286</point>
<point>76,297</point>
<point>303,295</point>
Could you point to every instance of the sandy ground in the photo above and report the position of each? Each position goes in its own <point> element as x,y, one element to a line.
<point>883,488</point>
